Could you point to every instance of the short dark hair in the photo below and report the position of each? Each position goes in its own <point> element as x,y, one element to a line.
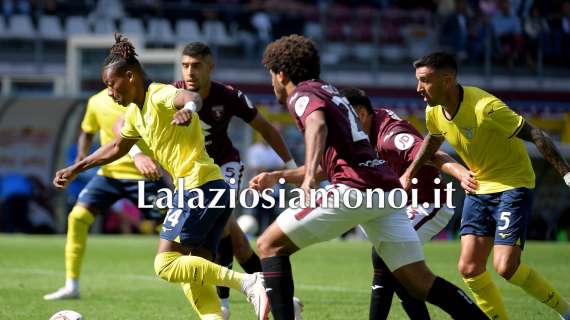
<point>358,98</point>
<point>295,55</point>
<point>122,54</point>
<point>437,61</point>
<point>196,49</point>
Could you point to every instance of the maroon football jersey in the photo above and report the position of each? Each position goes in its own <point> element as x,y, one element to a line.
<point>218,108</point>
<point>398,142</point>
<point>348,156</point>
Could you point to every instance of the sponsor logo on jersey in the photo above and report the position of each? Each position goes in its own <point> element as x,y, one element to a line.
<point>300,105</point>
<point>404,141</point>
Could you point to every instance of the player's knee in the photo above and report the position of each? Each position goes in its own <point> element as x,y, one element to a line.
<point>80,214</point>
<point>266,247</point>
<point>506,267</point>
<point>163,263</point>
<point>470,269</point>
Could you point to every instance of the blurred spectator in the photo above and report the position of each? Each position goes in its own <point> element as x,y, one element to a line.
<point>123,217</point>
<point>536,31</point>
<point>25,203</point>
<point>455,31</point>
<point>260,157</point>
<point>508,33</point>
<point>11,7</point>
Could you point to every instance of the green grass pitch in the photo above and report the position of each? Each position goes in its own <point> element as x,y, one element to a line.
<point>332,279</point>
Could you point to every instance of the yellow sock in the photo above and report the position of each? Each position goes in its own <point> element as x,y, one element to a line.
<point>204,300</point>
<point>536,286</point>
<point>487,296</point>
<point>78,224</point>
<point>175,267</point>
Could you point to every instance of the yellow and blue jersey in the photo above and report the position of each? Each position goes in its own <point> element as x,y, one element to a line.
<point>179,149</point>
<point>483,133</point>
<point>101,114</point>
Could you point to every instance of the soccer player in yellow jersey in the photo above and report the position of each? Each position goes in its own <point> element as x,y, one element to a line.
<point>113,181</point>
<point>161,115</point>
<point>489,137</point>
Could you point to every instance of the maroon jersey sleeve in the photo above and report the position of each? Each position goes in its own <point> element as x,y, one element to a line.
<point>179,84</point>
<point>243,107</point>
<point>400,144</point>
<point>305,104</point>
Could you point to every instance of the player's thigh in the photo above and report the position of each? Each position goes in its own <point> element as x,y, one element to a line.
<point>477,216</point>
<point>428,222</point>
<point>99,194</point>
<point>512,215</point>
<point>474,253</point>
<point>394,238</point>
<point>197,226</point>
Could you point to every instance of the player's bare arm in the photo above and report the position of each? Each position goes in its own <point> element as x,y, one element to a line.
<point>445,163</point>
<point>104,155</point>
<point>430,145</point>
<point>186,102</point>
<point>315,138</point>
<point>84,142</point>
<point>546,146</point>
<point>272,136</point>
<point>294,176</point>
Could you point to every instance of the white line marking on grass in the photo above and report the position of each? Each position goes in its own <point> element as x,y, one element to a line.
<point>130,276</point>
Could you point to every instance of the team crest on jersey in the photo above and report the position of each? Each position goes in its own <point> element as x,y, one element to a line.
<point>301,104</point>
<point>403,141</point>
<point>218,112</point>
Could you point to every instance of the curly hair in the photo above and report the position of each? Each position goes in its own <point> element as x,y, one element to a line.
<point>295,55</point>
<point>122,54</point>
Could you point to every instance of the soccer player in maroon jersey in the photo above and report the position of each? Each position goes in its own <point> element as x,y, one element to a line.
<point>334,140</point>
<point>397,141</point>
<point>221,103</point>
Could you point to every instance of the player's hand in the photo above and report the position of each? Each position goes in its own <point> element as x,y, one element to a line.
<point>406,181</point>
<point>182,117</point>
<point>308,185</point>
<point>147,167</point>
<point>263,181</point>
<point>63,177</point>
<point>468,182</point>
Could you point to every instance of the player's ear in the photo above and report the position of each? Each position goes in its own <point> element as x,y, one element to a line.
<point>130,76</point>
<point>282,78</point>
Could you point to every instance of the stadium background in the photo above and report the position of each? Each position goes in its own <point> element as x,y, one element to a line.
<point>52,52</point>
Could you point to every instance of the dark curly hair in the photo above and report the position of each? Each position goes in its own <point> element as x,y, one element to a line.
<point>122,54</point>
<point>295,55</point>
<point>358,98</point>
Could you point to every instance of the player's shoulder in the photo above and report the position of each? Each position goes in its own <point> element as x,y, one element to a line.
<point>479,99</point>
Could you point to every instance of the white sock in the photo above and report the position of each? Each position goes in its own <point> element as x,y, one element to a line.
<point>72,284</point>
<point>225,303</point>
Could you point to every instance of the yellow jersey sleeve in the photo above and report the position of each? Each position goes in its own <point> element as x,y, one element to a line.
<point>431,121</point>
<point>90,123</point>
<point>164,97</point>
<point>129,130</point>
<point>503,119</point>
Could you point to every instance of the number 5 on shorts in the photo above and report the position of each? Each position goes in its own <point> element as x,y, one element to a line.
<point>505,217</point>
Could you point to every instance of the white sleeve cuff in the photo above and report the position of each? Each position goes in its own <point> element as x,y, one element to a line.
<point>134,151</point>
<point>193,106</point>
<point>291,164</point>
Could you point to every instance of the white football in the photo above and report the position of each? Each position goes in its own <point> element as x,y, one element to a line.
<point>248,224</point>
<point>66,315</point>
